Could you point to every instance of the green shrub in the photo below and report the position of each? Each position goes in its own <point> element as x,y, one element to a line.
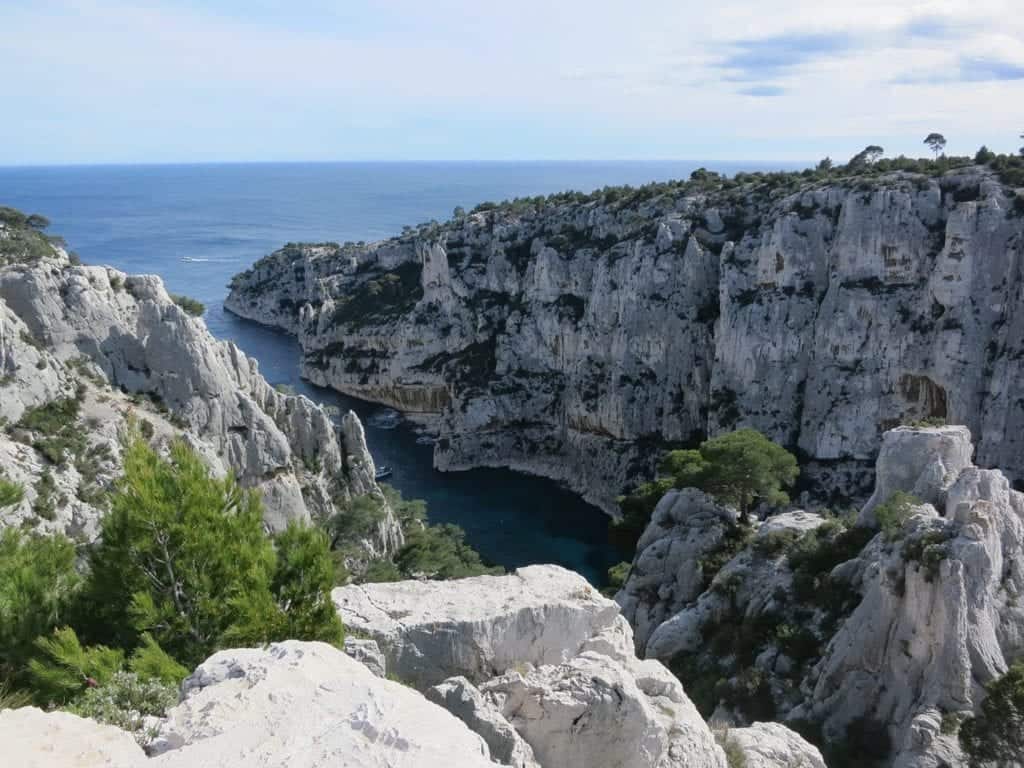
<point>617,576</point>
<point>192,306</point>
<point>38,583</point>
<point>151,662</point>
<point>44,506</point>
<point>894,513</point>
<point>995,736</point>
<point>125,701</point>
<point>10,493</point>
<point>64,668</point>
<point>440,552</point>
<point>734,755</point>
<point>183,556</point>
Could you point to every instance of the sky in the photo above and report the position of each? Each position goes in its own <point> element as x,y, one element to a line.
<point>130,81</point>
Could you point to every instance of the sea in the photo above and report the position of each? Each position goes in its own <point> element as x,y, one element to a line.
<point>197,225</point>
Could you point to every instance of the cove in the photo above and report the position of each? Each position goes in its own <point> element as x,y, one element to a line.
<point>510,518</point>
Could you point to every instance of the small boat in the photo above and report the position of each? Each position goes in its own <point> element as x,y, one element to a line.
<point>383,471</point>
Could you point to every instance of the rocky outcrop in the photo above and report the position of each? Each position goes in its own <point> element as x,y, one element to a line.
<point>466,702</point>
<point>479,627</point>
<point>93,334</point>
<point>539,651</point>
<point>667,573</point>
<point>771,745</point>
<point>575,337</point>
<point>33,738</point>
<point>883,641</point>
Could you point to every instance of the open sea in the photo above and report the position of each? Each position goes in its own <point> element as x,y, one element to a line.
<point>197,225</point>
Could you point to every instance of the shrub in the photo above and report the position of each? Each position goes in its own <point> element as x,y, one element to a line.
<point>64,668</point>
<point>125,701</point>
<point>192,306</point>
<point>10,493</point>
<point>183,556</point>
<point>995,736</point>
<point>440,552</point>
<point>38,583</point>
<point>894,512</point>
<point>151,662</point>
<point>617,576</point>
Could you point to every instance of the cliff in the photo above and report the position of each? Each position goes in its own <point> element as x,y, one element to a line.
<point>881,643</point>
<point>86,350</point>
<point>576,335</point>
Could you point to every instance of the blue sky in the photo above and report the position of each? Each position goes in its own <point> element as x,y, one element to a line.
<point>90,81</point>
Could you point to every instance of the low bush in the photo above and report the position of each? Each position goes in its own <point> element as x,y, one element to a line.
<point>192,306</point>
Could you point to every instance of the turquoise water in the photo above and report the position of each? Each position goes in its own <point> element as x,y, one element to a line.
<point>149,219</point>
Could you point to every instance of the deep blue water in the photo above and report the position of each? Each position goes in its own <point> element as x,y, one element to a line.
<point>145,219</point>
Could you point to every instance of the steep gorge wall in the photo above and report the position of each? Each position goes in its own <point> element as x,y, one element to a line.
<point>574,338</point>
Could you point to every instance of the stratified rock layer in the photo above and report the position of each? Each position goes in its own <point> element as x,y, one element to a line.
<point>572,339</point>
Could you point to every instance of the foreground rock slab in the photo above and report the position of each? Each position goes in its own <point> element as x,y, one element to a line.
<point>479,627</point>
<point>33,738</point>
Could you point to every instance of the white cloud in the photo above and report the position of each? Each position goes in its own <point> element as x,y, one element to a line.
<point>138,79</point>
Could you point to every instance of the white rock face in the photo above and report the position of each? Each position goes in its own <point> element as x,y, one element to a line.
<point>477,627</point>
<point>560,341</point>
<point>466,702</point>
<point>56,318</point>
<point>771,745</point>
<point>32,738</point>
<point>593,710</point>
<point>543,651</point>
<point>307,704</point>
<point>367,653</point>
<point>666,575</point>
<point>921,462</point>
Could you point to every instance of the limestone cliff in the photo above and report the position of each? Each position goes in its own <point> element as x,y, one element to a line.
<point>880,642</point>
<point>94,348</point>
<point>572,336</point>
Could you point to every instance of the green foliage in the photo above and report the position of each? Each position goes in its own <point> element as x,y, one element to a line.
<point>738,469</point>
<point>125,701</point>
<point>38,583</point>
<point>44,506</point>
<point>55,433</point>
<point>388,295</point>
<point>182,555</point>
<point>381,571</point>
<point>23,240</point>
<point>995,736</point>
<point>12,698</point>
<point>984,156</point>
<point>357,519</point>
<point>734,539</point>
<point>10,493</point>
<point>192,306</point>
<point>617,576</point>
<point>64,668</point>
<point>440,552</point>
<point>894,512</point>
<point>301,586</point>
<point>936,142</point>
<point>151,662</point>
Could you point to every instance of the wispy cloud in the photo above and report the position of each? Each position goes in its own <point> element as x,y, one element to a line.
<point>968,69</point>
<point>762,90</point>
<point>769,57</point>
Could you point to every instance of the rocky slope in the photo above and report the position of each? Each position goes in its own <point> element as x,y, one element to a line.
<point>84,350</point>
<point>540,674</point>
<point>573,336</point>
<point>881,642</point>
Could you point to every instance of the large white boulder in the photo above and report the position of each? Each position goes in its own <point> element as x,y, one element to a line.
<point>772,745</point>
<point>32,738</point>
<point>307,704</point>
<point>595,711</point>
<point>479,627</point>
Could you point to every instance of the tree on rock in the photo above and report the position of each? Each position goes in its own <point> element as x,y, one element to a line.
<point>936,143</point>
<point>739,468</point>
<point>868,156</point>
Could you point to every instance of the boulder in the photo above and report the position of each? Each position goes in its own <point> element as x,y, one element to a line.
<point>479,627</point>
<point>367,652</point>
<point>595,711</point>
<point>36,739</point>
<point>772,745</point>
<point>307,704</point>
<point>466,702</point>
